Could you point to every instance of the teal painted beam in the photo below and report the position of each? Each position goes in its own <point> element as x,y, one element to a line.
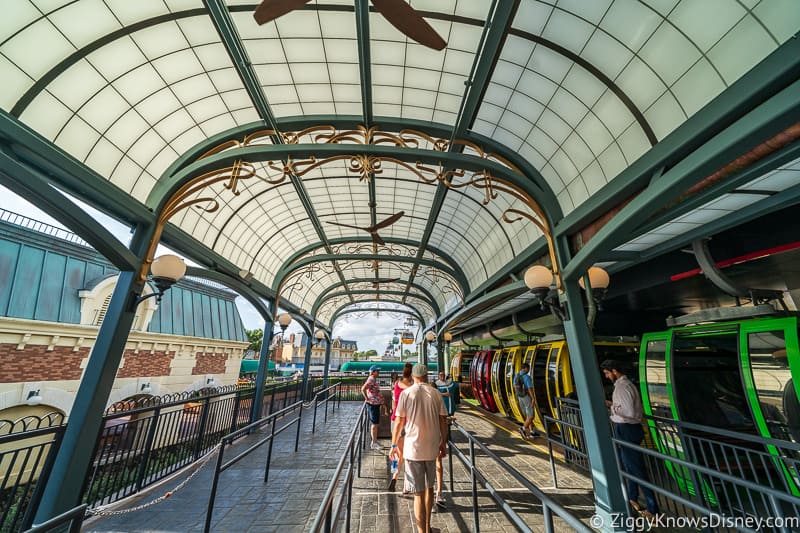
<point>426,293</point>
<point>479,304</point>
<point>261,372</point>
<point>364,59</point>
<point>607,482</point>
<point>763,122</point>
<point>342,310</point>
<point>389,240</point>
<point>221,18</point>
<point>65,484</point>
<point>321,301</point>
<point>28,183</point>
<point>457,275</point>
<point>770,76</point>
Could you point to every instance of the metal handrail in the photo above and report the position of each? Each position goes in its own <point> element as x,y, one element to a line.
<point>230,437</point>
<point>549,506</point>
<point>73,516</point>
<point>327,399</point>
<point>327,512</point>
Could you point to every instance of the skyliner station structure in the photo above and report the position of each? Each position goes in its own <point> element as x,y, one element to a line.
<point>326,157</point>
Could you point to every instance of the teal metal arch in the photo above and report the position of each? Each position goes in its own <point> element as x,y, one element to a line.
<point>375,310</point>
<point>321,301</point>
<point>335,286</point>
<point>457,275</point>
<point>389,240</point>
<point>411,311</point>
<point>531,181</point>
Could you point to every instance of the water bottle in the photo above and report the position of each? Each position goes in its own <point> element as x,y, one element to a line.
<point>394,466</point>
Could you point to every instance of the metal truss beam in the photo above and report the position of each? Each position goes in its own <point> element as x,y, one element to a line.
<point>321,301</point>
<point>426,294</point>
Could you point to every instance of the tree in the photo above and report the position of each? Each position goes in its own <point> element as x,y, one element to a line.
<point>255,336</point>
<point>370,353</point>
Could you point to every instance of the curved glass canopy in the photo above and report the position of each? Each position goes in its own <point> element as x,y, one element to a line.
<point>566,94</point>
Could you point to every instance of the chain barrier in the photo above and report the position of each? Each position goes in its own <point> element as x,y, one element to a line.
<point>101,511</point>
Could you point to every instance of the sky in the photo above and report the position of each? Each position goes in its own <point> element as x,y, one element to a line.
<point>369,333</point>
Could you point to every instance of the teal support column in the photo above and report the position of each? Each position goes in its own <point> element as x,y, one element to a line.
<point>327,362</point>
<point>424,358</point>
<point>306,369</point>
<point>261,374</point>
<point>608,493</point>
<point>440,354</point>
<point>64,486</point>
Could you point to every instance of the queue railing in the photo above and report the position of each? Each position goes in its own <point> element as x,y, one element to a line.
<point>326,399</point>
<point>549,506</point>
<point>228,439</point>
<point>68,522</point>
<point>338,497</point>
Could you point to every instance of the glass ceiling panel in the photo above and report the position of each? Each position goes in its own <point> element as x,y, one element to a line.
<point>566,121</point>
<point>128,108</point>
<point>411,81</point>
<point>306,61</point>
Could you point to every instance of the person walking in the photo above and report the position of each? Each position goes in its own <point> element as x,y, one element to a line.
<point>443,386</point>
<point>371,391</point>
<point>421,412</point>
<point>523,389</point>
<point>626,412</point>
<point>399,386</point>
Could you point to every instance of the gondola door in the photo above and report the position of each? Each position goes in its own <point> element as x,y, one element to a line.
<point>770,375</point>
<point>539,377</point>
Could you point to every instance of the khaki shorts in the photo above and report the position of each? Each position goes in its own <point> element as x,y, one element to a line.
<point>420,475</point>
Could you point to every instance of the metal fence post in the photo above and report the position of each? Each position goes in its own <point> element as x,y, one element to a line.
<point>236,401</point>
<point>314,420</point>
<point>269,451</point>
<point>450,453</point>
<point>148,446</point>
<point>299,423</point>
<point>475,523</point>
<point>198,449</point>
<point>212,496</point>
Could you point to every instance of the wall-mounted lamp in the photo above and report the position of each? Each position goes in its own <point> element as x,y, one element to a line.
<point>34,398</point>
<point>540,280</point>
<point>146,388</point>
<point>165,271</point>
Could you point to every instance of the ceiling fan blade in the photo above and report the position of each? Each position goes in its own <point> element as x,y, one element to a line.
<point>388,221</point>
<point>377,239</point>
<point>271,9</point>
<point>346,225</point>
<point>405,18</point>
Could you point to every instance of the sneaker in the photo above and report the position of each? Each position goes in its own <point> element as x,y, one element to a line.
<point>392,484</point>
<point>522,432</point>
<point>440,501</point>
<point>375,446</point>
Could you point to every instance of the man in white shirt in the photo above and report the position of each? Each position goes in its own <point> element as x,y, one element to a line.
<point>421,411</point>
<point>626,414</point>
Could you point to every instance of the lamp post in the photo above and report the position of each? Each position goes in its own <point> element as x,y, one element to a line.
<point>74,457</point>
<point>429,338</point>
<point>447,338</point>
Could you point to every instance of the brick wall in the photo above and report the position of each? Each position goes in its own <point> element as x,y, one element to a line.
<point>35,363</point>
<point>209,363</point>
<point>146,364</point>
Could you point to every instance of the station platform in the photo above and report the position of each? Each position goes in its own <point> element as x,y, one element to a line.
<point>298,481</point>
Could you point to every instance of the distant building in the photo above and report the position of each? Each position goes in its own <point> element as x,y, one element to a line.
<point>54,293</point>
<point>341,351</point>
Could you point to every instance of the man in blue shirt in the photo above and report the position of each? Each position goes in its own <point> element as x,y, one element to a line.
<point>523,387</point>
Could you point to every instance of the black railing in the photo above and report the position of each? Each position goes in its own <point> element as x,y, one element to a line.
<point>142,441</point>
<point>27,447</point>
<point>549,506</point>
<point>330,513</point>
<point>69,522</point>
<point>227,440</point>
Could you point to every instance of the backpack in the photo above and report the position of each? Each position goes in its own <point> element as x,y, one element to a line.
<point>519,386</point>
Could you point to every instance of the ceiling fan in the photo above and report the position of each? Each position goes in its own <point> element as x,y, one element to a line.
<point>399,14</point>
<point>373,230</point>
<point>377,282</point>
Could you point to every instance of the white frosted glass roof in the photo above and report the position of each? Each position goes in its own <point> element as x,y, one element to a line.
<point>579,90</point>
